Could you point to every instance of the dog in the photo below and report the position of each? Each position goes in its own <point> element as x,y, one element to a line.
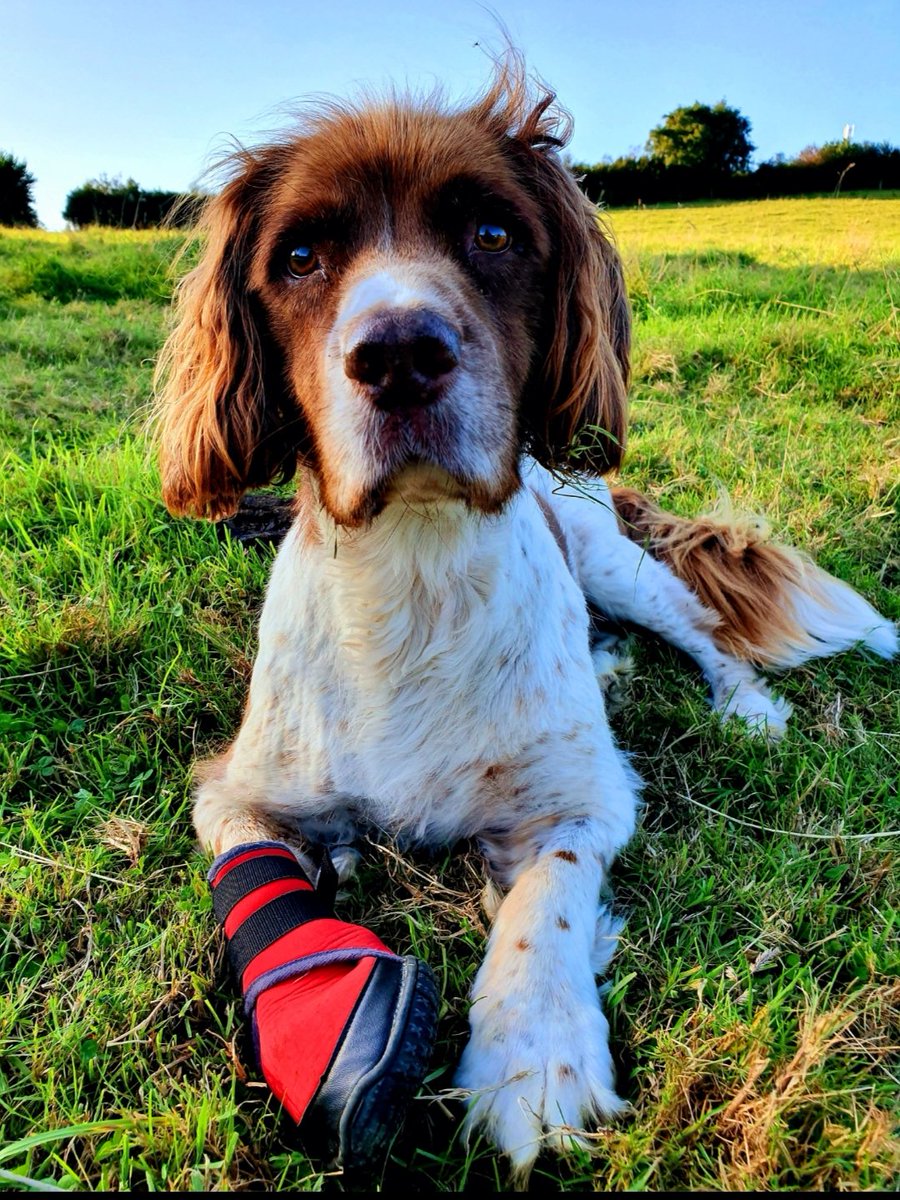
<point>413,306</point>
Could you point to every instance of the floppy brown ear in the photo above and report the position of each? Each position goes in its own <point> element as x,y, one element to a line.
<point>578,404</point>
<point>224,422</point>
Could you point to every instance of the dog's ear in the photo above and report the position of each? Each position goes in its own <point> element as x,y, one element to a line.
<point>224,422</point>
<point>575,405</point>
<point>578,401</point>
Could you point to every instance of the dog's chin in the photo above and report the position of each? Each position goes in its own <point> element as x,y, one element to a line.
<point>424,486</point>
<point>425,483</point>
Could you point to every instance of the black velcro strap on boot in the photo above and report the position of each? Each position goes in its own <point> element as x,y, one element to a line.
<point>271,922</point>
<point>243,879</point>
<point>326,880</point>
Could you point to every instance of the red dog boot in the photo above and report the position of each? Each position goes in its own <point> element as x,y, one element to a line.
<point>343,1028</point>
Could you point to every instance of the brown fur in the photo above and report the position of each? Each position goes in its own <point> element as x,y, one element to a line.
<point>239,382</point>
<point>737,573</point>
<point>554,526</point>
<point>219,418</point>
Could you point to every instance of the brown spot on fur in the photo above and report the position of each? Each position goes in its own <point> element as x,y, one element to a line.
<point>566,1071</point>
<point>495,772</point>
<point>522,944</point>
<point>741,577</point>
<point>553,525</point>
<point>568,856</point>
<point>563,923</point>
<point>305,512</point>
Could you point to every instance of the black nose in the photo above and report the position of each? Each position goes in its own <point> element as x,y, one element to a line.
<point>404,359</point>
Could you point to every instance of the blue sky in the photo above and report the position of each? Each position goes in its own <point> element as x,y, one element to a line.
<point>151,90</point>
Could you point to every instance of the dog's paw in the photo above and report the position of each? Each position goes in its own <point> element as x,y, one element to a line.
<point>346,861</point>
<point>761,711</point>
<point>538,1068</point>
<point>614,670</point>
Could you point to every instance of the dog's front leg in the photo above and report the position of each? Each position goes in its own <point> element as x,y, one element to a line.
<point>538,1062</point>
<point>223,822</point>
<point>226,818</point>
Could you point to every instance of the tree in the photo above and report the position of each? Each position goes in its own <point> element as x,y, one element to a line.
<point>714,139</point>
<point>16,200</point>
<point>128,206</point>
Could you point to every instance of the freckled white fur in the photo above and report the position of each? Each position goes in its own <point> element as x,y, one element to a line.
<point>400,665</point>
<point>537,1024</point>
<point>397,665</point>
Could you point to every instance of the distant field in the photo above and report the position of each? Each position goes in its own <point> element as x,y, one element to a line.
<point>755,1001</point>
<point>851,232</point>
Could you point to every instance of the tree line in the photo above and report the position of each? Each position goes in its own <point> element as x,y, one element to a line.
<point>697,152</point>
<point>98,202</point>
<point>702,152</point>
<point>128,206</point>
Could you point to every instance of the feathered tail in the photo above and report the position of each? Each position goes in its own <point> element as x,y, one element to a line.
<point>776,607</point>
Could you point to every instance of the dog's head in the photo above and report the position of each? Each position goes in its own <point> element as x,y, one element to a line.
<point>402,297</point>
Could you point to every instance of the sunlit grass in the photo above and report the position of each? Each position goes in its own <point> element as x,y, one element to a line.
<point>854,232</point>
<point>754,1000</point>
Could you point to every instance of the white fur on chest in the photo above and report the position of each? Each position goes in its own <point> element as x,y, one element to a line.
<point>400,664</point>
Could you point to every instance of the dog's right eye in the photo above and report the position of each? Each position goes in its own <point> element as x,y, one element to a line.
<point>302,260</point>
<point>492,238</point>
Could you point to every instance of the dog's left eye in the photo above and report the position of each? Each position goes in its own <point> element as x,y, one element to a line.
<point>492,238</point>
<point>302,260</point>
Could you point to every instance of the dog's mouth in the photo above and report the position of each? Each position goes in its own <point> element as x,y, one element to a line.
<point>459,448</point>
<point>421,484</point>
<point>423,457</point>
<point>426,434</point>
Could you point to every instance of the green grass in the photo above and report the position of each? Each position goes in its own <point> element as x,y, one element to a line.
<point>754,1001</point>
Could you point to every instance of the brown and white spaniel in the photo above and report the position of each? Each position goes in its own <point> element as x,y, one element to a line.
<point>414,308</point>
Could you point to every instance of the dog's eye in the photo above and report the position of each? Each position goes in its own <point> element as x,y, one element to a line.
<point>302,260</point>
<point>493,239</point>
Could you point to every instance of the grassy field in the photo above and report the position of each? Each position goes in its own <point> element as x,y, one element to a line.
<point>754,1001</point>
